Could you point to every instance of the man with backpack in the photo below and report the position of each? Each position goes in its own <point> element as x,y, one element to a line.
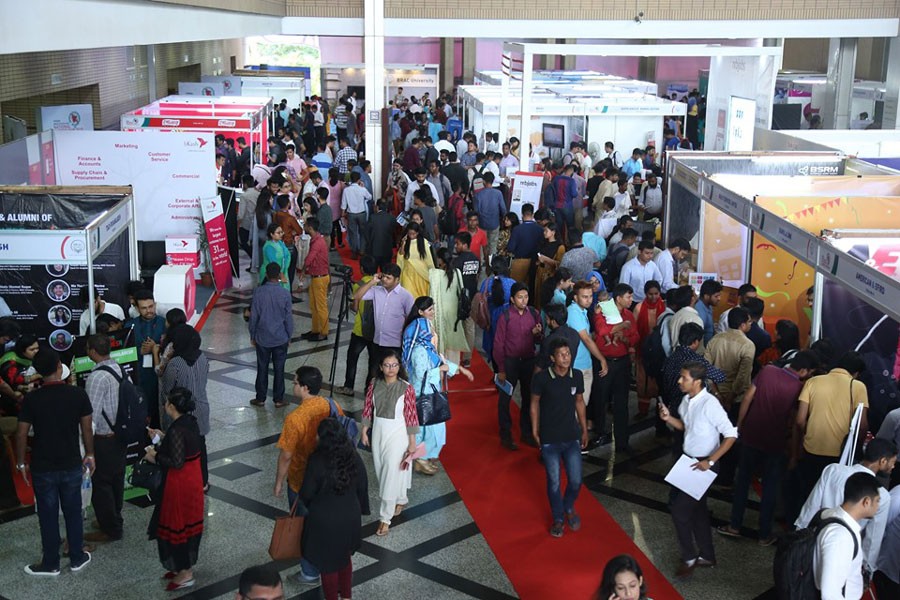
<point>879,458</point>
<point>469,265</point>
<point>108,480</point>
<point>836,556</point>
<point>518,330</point>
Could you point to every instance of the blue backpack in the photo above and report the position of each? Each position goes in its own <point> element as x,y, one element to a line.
<point>348,423</point>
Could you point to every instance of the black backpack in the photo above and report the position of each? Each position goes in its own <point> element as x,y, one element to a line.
<point>131,416</point>
<point>793,565</point>
<point>447,221</point>
<point>611,267</point>
<point>653,353</point>
<point>463,302</point>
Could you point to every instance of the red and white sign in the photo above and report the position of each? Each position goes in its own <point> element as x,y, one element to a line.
<point>214,219</point>
<point>182,250</point>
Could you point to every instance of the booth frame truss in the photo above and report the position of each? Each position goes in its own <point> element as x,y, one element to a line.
<point>96,235</point>
<point>528,50</point>
<point>829,262</point>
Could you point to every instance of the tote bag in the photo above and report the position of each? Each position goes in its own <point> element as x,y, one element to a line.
<point>285,544</point>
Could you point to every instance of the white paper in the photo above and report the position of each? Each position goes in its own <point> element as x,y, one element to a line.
<point>692,482</point>
<point>148,361</point>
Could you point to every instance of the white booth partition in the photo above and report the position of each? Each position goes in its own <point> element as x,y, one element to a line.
<point>415,79</point>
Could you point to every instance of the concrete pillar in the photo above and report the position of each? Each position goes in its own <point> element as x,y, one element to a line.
<point>448,65</point>
<point>468,57</point>
<point>547,62</point>
<point>525,120</point>
<point>647,66</point>
<point>568,60</point>
<point>373,45</point>
<point>839,83</point>
<point>889,119</point>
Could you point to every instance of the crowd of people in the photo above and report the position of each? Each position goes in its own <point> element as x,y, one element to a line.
<point>576,303</point>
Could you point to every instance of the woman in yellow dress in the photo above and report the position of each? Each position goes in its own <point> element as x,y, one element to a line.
<point>415,261</point>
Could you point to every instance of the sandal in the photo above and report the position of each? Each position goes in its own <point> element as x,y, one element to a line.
<point>399,509</point>
<point>383,529</point>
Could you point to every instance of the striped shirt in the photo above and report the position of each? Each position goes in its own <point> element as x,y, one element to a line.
<point>103,390</point>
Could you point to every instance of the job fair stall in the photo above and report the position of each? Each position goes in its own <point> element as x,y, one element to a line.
<point>416,80</point>
<point>773,230</point>
<point>562,114</point>
<point>289,83</point>
<point>810,90</point>
<point>231,116</point>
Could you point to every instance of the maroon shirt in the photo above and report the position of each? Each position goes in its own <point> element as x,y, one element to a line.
<point>513,338</point>
<point>411,159</point>
<point>770,416</point>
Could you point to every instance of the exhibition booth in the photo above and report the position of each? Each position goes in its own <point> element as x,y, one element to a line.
<point>813,243</point>
<point>290,83</point>
<point>416,80</point>
<point>562,114</point>
<point>231,116</point>
<point>805,93</point>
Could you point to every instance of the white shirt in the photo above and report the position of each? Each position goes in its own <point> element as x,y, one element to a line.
<point>704,421</point>
<point>462,146</point>
<point>829,493</point>
<point>889,557</point>
<point>722,325</point>
<point>108,308</point>
<point>833,564</point>
<point>606,224</point>
<point>412,187</point>
<point>491,167</point>
<point>623,203</point>
<point>664,260</point>
<point>636,275</point>
<point>651,199</point>
<point>355,198</point>
<point>616,158</point>
<point>444,145</point>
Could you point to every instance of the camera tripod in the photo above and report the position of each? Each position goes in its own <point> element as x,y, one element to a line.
<point>346,275</point>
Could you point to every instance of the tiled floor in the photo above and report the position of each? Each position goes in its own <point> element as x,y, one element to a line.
<point>435,549</point>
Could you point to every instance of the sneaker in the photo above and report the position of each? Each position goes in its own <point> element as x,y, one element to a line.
<point>508,443</point>
<point>39,570</point>
<point>77,567</point>
<point>728,530</point>
<point>304,579</point>
<point>767,541</point>
<point>574,521</point>
<point>557,529</point>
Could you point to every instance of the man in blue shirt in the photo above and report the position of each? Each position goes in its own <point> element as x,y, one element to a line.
<point>271,327</point>
<point>592,240</point>
<point>562,193</point>
<point>634,164</point>
<point>578,320</point>
<point>321,160</point>
<point>523,245</point>
<point>148,331</point>
<point>710,294</point>
<point>490,206</point>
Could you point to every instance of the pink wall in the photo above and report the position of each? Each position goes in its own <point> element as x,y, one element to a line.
<point>341,50</point>
<point>405,50</point>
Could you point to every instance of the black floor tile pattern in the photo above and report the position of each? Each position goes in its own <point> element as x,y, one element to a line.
<point>234,471</point>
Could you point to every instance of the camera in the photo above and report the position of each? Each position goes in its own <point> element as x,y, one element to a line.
<point>343,270</point>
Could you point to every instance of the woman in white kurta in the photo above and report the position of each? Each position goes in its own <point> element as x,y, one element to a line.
<point>390,414</point>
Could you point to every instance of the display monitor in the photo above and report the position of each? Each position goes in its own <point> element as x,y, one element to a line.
<point>554,136</point>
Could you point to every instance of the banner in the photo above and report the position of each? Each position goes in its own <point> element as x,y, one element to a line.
<point>66,117</point>
<point>231,84</point>
<point>187,88</point>
<point>168,171</point>
<point>217,240</point>
<point>526,189</point>
<point>745,76</point>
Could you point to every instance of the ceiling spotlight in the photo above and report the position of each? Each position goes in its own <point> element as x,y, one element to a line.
<point>638,18</point>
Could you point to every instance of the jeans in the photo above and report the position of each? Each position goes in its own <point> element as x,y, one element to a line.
<point>356,225</point>
<point>566,217</point>
<point>292,266</point>
<point>109,485</point>
<point>518,370</point>
<point>802,481</point>
<point>357,345</point>
<point>772,469</point>
<point>493,236</point>
<point>570,453</point>
<point>53,489</point>
<point>278,356</point>
<point>306,567</point>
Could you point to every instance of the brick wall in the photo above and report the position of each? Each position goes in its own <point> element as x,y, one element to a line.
<point>119,74</point>
<point>262,7</point>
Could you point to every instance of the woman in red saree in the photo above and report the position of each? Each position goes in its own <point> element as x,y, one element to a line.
<point>646,313</point>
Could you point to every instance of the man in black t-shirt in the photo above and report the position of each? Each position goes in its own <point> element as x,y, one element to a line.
<point>469,265</point>
<point>557,396</point>
<point>557,316</point>
<point>57,413</point>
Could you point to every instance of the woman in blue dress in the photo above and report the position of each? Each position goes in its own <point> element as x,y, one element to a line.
<point>425,367</point>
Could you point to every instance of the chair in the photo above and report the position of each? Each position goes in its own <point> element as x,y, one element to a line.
<point>151,256</point>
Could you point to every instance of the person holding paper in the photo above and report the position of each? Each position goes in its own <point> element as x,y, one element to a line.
<point>703,421</point>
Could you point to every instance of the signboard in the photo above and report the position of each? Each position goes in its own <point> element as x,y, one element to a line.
<point>526,189</point>
<point>168,172</point>
<point>66,117</point>
<point>695,280</point>
<point>134,122</point>
<point>741,121</point>
<point>186,88</point>
<point>400,78</point>
<point>750,77</point>
<point>231,84</point>
<point>182,250</point>
<point>214,220</point>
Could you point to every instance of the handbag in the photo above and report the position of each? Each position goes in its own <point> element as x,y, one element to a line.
<point>285,544</point>
<point>146,475</point>
<point>432,408</point>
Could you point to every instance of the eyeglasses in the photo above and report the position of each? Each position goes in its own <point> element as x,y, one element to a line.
<point>390,365</point>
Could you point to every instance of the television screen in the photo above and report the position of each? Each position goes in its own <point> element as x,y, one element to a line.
<point>554,136</point>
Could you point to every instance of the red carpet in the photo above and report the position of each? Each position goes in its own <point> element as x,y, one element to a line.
<point>506,494</point>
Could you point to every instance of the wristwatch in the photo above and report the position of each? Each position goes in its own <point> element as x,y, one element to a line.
<point>711,462</point>
<point>21,467</point>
